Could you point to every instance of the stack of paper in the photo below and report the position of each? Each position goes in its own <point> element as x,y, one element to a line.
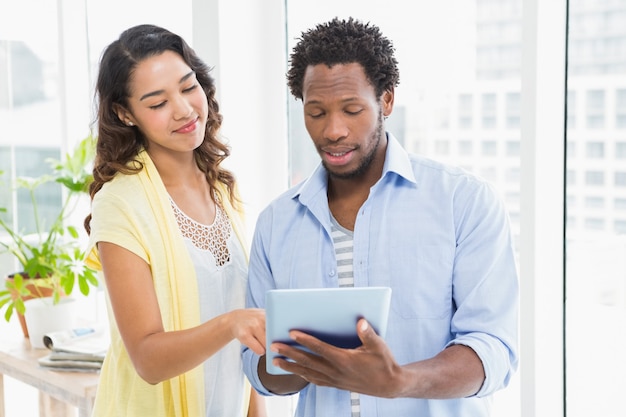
<point>81,349</point>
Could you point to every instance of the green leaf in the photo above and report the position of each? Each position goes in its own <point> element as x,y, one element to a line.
<point>83,286</point>
<point>56,254</point>
<point>8,313</point>
<point>91,276</point>
<point>73,231</point>
<point>18,281</point>
<point>3,300</point>
<point>19,305</point>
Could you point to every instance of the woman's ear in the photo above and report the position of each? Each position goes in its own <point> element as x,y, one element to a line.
<point>386,102</point>
<point>124,115</point>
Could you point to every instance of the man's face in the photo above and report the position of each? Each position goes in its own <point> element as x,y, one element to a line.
<point>344,117</point>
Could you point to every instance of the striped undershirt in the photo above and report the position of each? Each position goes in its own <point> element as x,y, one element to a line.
<point>343,241</point>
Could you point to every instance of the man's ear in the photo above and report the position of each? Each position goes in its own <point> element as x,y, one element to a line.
<point>386,101</point>
<point>124,115</point>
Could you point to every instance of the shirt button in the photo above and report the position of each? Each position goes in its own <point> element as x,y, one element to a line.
<point>331,273</point>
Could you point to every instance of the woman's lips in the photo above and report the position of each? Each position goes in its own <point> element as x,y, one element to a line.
<point>189,127</point>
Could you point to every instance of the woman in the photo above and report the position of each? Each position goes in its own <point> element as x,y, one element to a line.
<point>166,234</point>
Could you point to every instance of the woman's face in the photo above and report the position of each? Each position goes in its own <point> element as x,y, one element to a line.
<point>167,103</point>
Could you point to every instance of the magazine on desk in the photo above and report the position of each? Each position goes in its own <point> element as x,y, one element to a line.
<point>80,349</point>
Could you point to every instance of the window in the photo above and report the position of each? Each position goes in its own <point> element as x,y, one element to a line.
<point>620,108</point>
<point>465,110</point>
<point>29,75</point>
<point>489,111</point>
<point>595,109</point>
<point>594,223</point>
<point>480,65</point>
<point>513,110</point>
<point>595,290</point>
<point>477,82</point>
<point>46,84</point>
<point>620,203</point>
<point>489,148</point>
<point>620,150</point>
<point>595,150</point>
<point>466,147</point>
<point>594,178</point>
<point>619,226</point>
<point>594,202</point>
<point>513,148</point>
<point>620,179</point>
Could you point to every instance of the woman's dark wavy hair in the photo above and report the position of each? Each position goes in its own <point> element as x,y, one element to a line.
<point>345,42</point>
<point>118,144</point>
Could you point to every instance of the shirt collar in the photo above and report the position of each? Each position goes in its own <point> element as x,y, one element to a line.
<point>397,160</point>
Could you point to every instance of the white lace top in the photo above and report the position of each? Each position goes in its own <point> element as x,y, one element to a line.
<point>210,238</point>
<point>221,269</point>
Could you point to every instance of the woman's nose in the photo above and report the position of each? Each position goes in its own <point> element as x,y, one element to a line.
<point>182,108</point>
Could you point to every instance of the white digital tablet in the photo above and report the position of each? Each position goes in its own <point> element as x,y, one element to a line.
<point>330,314</point>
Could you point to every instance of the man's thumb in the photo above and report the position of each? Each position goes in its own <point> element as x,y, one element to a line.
<point>365,331</point>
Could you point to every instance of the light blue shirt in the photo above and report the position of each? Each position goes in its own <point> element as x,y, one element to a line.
<point>439,237</point>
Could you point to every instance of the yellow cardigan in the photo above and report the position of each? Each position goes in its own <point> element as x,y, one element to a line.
<point>134,211</point>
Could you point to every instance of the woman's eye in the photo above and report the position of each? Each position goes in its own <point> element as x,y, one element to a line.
<point>157,106</point>
<point>193,87</point>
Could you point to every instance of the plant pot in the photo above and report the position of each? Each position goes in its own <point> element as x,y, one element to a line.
<point>34,289</point>
<point>43,316</point>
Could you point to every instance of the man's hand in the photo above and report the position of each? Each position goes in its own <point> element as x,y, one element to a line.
<point>369,369</point>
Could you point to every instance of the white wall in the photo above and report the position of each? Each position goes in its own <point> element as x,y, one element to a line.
<point>250,65</point>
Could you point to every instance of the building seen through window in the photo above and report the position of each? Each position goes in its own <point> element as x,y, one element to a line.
<point>29,116</point>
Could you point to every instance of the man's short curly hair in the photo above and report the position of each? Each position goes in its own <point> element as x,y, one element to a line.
<point>345,42</point>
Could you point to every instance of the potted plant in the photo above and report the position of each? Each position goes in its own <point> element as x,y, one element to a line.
<point>51,259</point>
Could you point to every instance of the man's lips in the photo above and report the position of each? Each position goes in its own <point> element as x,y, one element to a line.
<point>337,156</point>
<point>337,150</point>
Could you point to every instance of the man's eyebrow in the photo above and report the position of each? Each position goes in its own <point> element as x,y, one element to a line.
<point>157,92</point>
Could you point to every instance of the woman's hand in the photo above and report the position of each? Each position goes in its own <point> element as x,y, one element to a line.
<point>248,326</point>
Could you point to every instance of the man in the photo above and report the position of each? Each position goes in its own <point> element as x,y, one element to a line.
<point>437,235</point>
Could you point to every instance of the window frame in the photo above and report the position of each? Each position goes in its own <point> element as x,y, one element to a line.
<point>542,237</point>
<point>261,144</point>
<point>225,32</point>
